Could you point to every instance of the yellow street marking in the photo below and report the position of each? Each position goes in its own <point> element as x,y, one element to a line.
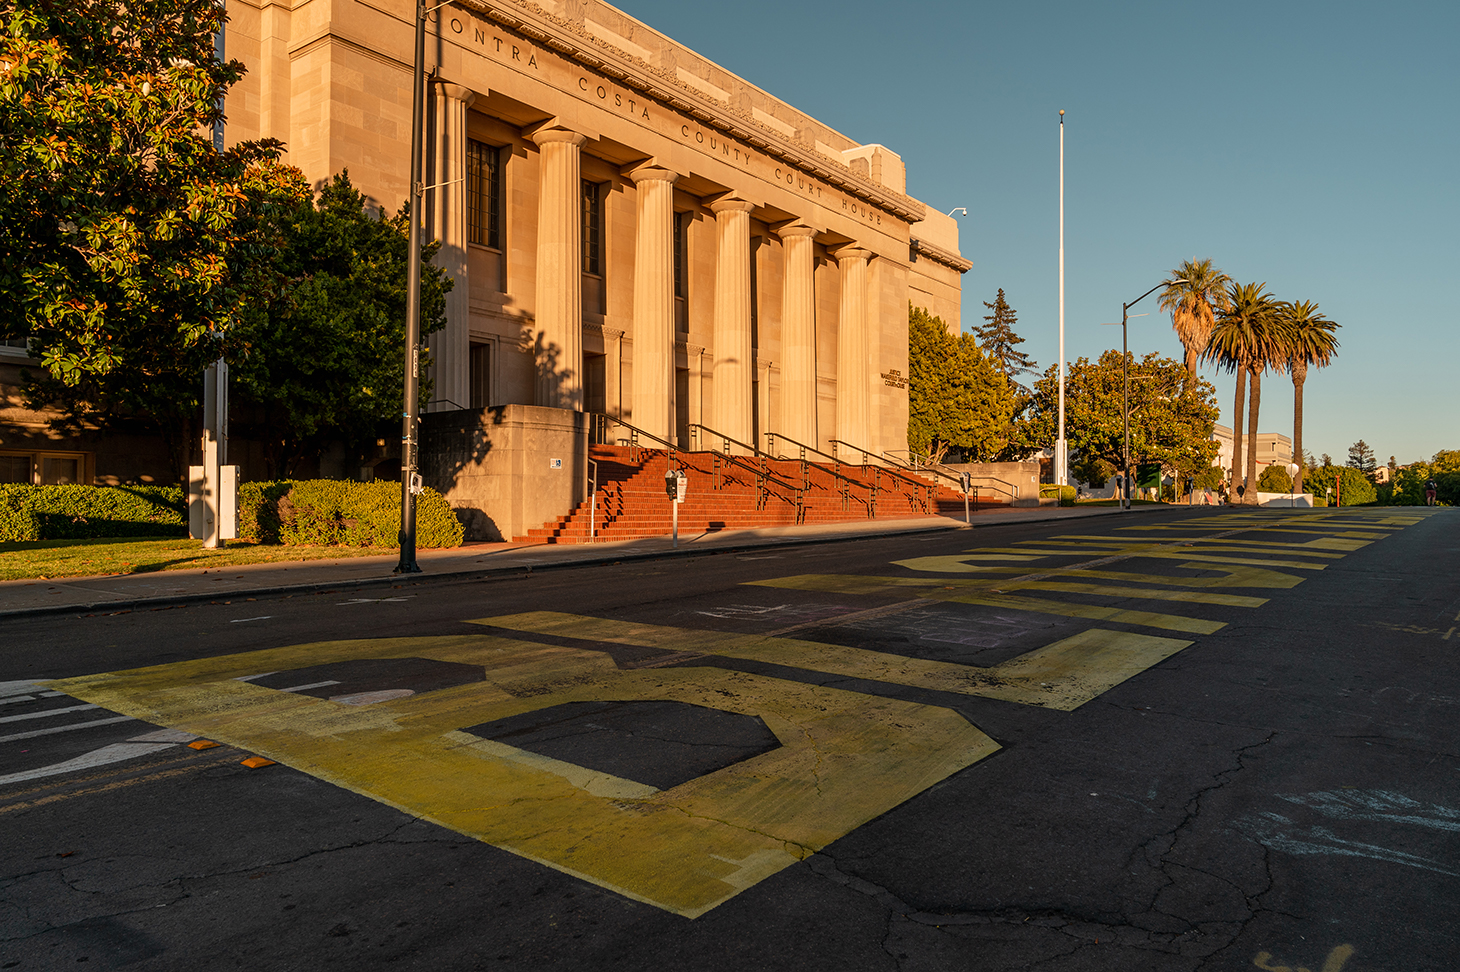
<point>1112,590</point>
<point>1063,675</point>
<point>852,584</point>
<point>844,759</point>
<point>869,584</point>
<point>956,564</point>
<point>1449,633</point>
<point>1039,605</point>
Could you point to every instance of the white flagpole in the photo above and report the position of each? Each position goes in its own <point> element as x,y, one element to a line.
<point>1061,453</point>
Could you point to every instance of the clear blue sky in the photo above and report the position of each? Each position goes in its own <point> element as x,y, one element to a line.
<point>1309,145</point>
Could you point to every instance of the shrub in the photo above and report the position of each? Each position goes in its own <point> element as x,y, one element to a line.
<point>1357,490</point>
<point>1066,494</point>
<point>81,512</point>
<point>327,512</point>
<point>1275,479</point>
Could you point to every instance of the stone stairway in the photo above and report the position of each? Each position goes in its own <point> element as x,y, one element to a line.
<point>738,494</point>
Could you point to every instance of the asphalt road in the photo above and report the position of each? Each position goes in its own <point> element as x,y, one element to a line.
<point>1175,741</point>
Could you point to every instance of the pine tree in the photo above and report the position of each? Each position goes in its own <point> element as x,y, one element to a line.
<point>999,342</point>
<point>1361,457</point>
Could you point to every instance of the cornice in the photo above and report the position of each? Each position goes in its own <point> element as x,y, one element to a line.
<point>937,254</point>
<point>572,40</point>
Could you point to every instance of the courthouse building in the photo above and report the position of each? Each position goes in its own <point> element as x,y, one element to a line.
<point>632,229</point>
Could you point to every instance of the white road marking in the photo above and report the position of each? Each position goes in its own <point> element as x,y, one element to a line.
<point>1267,829</point>
<point>250,678</point>
<point>164,736</point>
<point>46,714</point>
<point>1380,806</point>
<point>311,685</point>
<point>17,698</point>
<point>261,617</point>
<point>114,753</point>
<point>71,728</point>
<point>17,688</point>
<point>376,600</point>
<point>370,698</point>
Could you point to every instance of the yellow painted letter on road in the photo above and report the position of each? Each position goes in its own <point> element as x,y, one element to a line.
<point>836,759</point>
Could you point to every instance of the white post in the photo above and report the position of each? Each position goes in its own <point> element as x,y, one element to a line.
<point>1061,451</point>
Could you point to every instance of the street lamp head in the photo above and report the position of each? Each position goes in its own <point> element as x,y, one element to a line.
<point>1062,113</point>
<point>958,209</point>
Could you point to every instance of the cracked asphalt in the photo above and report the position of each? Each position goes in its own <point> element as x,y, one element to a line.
<point>1273,783</point>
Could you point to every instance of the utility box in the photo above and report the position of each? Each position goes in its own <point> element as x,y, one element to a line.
<point>203,498</point>
<point>676,484</point>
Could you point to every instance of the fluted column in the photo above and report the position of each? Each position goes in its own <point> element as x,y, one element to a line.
<point>853,371</point>
<point>450,346</point>
<point>559,336</point>
<point>654,303</point>
<point>734,367</point>
<point>798,334</point>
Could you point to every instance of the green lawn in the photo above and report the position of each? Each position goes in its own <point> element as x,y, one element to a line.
<point>46,559</point>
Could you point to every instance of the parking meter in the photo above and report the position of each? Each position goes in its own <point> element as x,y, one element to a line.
<point>676,485</point>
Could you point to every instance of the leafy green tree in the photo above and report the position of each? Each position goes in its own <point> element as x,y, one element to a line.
<point>1193,305</point>
<point>323,359</point>
<point>1275,479</point>
<point>1444,469</point>
<point>1248,338</point>
<point>118,219</point>
<point>1361,457</point>
<point>957,399</point>
<point>999,341</point>
<point>1311,343</point>
<point>1171,416</point>
<point>1357,490</point>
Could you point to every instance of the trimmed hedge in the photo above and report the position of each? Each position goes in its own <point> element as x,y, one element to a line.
<point>81,512</point>
<point>1065,494</point>
<point>329,512</point>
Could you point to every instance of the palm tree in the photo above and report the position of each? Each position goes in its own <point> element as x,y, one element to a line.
<point>1311,343</point>
<point>1246,339</point>
<point>1193,305</point>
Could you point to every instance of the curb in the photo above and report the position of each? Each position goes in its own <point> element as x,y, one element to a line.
<point>172,600</point>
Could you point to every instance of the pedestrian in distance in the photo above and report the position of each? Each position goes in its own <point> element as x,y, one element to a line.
<point>1432,489</point>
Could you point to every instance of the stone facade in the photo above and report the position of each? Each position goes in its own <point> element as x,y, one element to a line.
<point>632,229</point>
<point>750,267</point>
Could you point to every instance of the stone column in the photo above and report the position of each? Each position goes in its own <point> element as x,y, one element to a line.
<point>853,368</point>
<point>450,346</point>
<point>734,368</point>
<point>654,303</point>
<point>559,336</point>
<point>798,334</point>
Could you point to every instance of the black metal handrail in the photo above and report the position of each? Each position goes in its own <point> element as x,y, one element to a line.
<point>879,470</point>
<point>695,428</point>
<point>919,460</point>
<point>635,434</point>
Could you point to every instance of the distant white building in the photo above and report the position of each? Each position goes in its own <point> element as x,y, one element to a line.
<point>1273,449</point>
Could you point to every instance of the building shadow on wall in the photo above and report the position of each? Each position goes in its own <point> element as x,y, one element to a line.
<point>455,443</point>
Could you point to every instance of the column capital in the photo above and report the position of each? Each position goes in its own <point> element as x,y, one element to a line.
<point>795,230</point>
<point>851,252</point>
<point>547,135</point>
<point>458,92</point>
<point>653,174</point>
<point>731,204</point>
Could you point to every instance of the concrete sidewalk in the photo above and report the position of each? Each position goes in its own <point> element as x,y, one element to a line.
<point>154,588</point>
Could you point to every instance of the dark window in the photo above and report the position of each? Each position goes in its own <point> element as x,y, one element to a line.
<point>593,228</point>
<point>18,344</point>
<point>60,472</point>
<point>681,254</point>
<point>15,469</point>
<point>480,375</point>
<point>484,194</point>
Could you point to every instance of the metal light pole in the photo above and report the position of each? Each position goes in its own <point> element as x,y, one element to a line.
<point>1061,450</point>
<point>1125,395</point>
<point>410,420</point>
